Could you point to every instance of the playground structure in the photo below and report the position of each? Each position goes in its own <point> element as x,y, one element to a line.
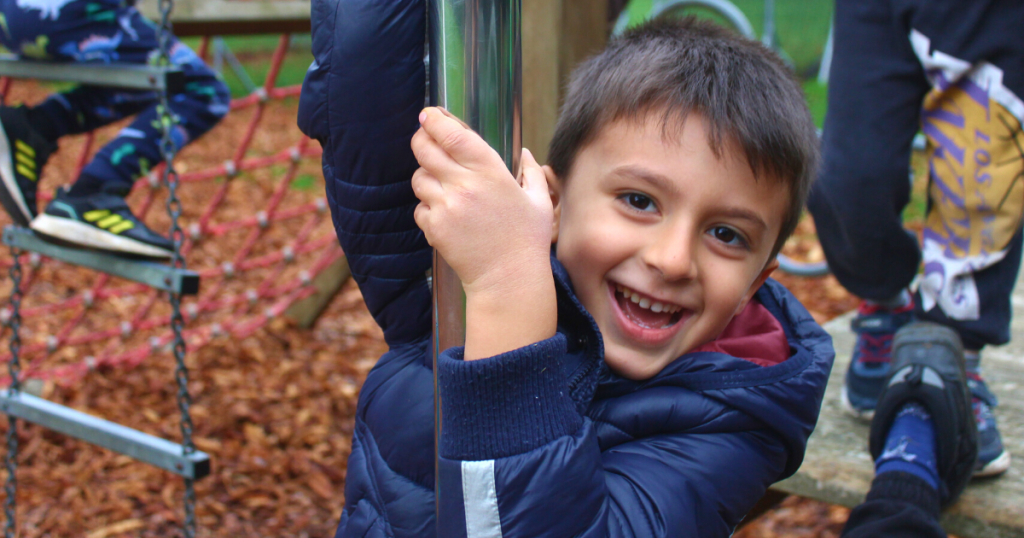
<point>257,265</point>
<point>294,273</point>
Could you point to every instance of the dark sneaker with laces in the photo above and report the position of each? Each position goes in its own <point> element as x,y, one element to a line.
<point>928,368</point>
<point>869,367</point>
<point>23,152</point>
<point>100,221</point>
<point>993,458</point>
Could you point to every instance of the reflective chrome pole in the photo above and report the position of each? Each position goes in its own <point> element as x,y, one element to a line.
<point>475,73</point>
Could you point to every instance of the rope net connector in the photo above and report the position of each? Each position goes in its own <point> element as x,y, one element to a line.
<point>35,260</point>
<point>295,154</point>
<point>228,268</point>
<point>195,231</point>
<point>262,219</point>
<point>51,343</point>
<point>230,168</point>
<point>90,363</point>
<point>261,94</point>
<point>126,329</point>
<point>321,205</point>
<point>288,253</point>
<point>252,296</point>
<point>88,298</point>
<point>153,179</point>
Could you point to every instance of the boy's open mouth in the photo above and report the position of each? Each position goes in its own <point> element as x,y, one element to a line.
<point>646,312</point>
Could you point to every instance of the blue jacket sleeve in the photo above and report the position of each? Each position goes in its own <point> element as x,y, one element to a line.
<point>517,456</point>
<point>360,99</point>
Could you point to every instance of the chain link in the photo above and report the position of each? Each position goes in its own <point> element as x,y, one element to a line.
<point>170,178</point>
<point>14,369</point>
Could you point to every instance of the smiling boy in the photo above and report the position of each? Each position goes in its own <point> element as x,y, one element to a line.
<point>629,368</point>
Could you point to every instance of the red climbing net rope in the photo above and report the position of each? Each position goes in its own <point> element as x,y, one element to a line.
<point>256,241</point>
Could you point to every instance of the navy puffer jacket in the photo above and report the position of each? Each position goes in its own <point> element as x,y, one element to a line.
<point>543,440</point>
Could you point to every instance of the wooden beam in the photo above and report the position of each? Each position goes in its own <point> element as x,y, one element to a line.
<point>306,311</point>
<point>557,35</point>
<point>542,23</point>
<point>232,17</point>
<point>584,31</point>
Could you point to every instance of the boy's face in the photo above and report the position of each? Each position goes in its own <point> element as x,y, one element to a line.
<point>664,241</point>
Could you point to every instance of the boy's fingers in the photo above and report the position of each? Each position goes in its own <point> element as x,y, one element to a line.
<point>463,144</point>
<point>429,154</point>
<point>454,117</point>
<point>425,186</point>
<point>534,181</point>
<point>422,217</point>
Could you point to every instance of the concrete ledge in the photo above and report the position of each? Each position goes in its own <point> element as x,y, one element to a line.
<point>838,469</point>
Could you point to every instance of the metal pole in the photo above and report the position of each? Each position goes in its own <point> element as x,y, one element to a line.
<point>475,73</point>
<point>768,32</point>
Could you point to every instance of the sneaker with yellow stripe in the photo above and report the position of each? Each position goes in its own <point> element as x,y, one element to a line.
<point>23,152</point>
<point>100,221</point>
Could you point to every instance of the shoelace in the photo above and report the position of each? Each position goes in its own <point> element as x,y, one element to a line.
<point>875,349</point>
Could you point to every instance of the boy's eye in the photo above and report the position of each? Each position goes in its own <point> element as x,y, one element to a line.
<point>728,236</point>
<point>639,201</point>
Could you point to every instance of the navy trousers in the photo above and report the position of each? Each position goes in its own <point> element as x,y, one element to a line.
<point>104,31</point>
<point>953,69</point>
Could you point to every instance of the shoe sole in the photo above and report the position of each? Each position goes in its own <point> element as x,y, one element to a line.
<point>10,194</point>
<point>83,235</point>
<point>995,467</point>
<point>864,415</point>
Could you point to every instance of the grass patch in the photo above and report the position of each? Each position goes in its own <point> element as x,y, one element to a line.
<point>305,182</point>
<point>801,26</point>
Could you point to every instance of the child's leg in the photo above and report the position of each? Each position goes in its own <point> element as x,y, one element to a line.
<point>137,148</point>
<point>93,212</point>
<point>874,98</point>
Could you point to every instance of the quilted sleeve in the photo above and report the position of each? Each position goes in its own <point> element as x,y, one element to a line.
<point>365,90</point>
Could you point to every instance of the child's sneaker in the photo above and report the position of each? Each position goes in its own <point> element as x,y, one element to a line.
<point>869,367</point>
<point>100,221</point>
<point>993,458</point>
<point>23,152</point>
<point>928,368</point>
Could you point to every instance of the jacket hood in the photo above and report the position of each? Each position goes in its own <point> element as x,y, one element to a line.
<point>785,397</point>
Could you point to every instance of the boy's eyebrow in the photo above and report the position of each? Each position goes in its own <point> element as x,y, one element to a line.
<point>661,182</point>
<point>653,178</point>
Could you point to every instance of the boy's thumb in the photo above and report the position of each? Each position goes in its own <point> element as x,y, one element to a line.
<point>533,175</point>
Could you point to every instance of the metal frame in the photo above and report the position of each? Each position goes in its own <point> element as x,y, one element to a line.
<point>155,275</point>
<point>132,76</point>
<point>140,446</point>
<point>726,9</point>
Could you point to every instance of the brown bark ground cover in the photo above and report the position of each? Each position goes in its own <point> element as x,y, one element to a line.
<point>274,410</point>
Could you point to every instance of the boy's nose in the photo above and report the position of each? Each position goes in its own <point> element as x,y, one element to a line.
<point>671,253</point>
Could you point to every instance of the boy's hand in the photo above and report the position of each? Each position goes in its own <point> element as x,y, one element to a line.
<point>492,231</point>
<point>472,210</point>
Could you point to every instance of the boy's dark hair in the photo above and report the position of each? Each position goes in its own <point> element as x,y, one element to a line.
<point>677,66</point>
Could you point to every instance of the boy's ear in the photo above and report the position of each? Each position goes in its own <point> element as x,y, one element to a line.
<point>769,268</point>
<point>555,191</point>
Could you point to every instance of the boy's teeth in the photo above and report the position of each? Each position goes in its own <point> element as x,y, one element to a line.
<point>644,302</point>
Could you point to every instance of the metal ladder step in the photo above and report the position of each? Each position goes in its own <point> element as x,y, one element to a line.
<point>122,439</point>
<point>156,275</point>
<point>118,75</point>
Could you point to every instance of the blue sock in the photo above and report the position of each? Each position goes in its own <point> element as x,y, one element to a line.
<point>910,445</point>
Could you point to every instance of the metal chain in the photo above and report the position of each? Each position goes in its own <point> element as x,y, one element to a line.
<point>14,369</point>
<point>170,178</point>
